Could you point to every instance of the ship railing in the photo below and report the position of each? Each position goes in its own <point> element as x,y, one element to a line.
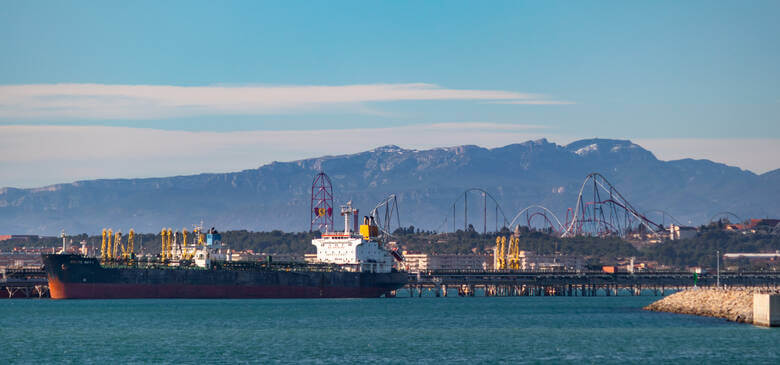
<point>232,265</point>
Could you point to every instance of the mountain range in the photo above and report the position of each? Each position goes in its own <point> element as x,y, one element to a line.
<point>427,184</point>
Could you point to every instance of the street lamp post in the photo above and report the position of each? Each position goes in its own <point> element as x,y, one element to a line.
<point>717,260</point>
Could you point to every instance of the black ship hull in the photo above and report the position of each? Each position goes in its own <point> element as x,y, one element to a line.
<point>77,277</point>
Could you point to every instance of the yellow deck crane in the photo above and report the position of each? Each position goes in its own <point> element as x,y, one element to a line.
<point>170,244</point>
<point>514,249</point>
<point>186,255</point>
<point>496,254</point>
<point>163,250</point>
<point>500,249</point>
<point>110,246</point>
<point>118,246</point>
<point>510,256</point>
<point>130,244</point>
<point>201,237</point>
<point>103,252</point>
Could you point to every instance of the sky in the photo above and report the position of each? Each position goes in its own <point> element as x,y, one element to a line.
<point>110,89</point>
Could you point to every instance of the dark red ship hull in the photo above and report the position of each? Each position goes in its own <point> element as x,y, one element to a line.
<point>76,277</point>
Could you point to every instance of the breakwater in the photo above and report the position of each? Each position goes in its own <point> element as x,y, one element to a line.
<point>733,304</point>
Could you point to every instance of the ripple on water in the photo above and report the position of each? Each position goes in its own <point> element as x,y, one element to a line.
<point>399,330</point>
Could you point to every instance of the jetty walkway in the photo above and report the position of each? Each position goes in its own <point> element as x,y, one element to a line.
<point>23,283</point>
<point>583,283</point>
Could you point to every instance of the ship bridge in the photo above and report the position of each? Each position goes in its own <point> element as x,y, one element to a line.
<point>356,249</point>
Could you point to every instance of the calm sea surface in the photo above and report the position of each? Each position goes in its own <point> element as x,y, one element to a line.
<point>397,330</point>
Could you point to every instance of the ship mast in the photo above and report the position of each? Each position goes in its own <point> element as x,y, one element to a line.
<point>347,211</point>
<point>63,241</point>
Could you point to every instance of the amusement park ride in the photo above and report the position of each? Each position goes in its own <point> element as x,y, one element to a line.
<point>607,213</point>
<point>322,209</point>
<point>321,203</point>
<point>600,210</point>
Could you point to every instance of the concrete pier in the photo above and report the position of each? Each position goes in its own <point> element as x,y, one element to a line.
<point>766,310</point>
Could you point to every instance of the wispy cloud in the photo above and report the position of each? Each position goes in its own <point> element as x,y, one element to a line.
<point>100,101</point>
<point>532,102</point>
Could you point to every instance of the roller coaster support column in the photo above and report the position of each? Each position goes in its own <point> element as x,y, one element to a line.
<point>484,213</point>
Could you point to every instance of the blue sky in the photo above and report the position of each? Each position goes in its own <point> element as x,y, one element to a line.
<point>694,78</point>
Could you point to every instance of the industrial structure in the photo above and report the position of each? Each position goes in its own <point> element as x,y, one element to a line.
<point>510,257</point>
<point>112,248</point>
<point>570,283</point>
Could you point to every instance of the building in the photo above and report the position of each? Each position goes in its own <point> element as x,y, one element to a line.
<point>764,256</point>
<point>763,223</point>
<point>681,232</point>
<point>529,260</point>
<point>753,225</point>
<point>416,262</point>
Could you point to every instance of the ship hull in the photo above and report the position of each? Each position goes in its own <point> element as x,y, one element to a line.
<point>75,277</point>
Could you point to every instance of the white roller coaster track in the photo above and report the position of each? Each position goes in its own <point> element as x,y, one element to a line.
<point>391,204</point>
<point>520,213</point>
<point>614,193</point>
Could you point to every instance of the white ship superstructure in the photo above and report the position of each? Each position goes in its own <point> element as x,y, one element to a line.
<point>355,251</point>
<point>202,250</point>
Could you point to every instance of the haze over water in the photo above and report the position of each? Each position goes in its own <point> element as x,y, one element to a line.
<point>398,330</point>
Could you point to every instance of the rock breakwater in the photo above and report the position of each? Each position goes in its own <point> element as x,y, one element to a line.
<point>733,304</point>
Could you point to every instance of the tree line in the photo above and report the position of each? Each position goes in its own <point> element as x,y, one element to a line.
<point>697,251</point>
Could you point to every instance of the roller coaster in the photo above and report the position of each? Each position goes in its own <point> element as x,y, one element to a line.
<point>485,197</point>
<point>600,210</point>
<point>606,212</point>
<point>728,217</point>
<point>665,217</point>
<point>383,214</point>
<point>538,214</point>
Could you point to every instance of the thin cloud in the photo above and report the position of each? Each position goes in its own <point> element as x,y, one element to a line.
<point>533,102</point>
<point>100,101</point>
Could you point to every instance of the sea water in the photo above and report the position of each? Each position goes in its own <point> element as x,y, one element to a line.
<point>385,330</point>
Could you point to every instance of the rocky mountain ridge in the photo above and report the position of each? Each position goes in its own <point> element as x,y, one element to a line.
<point>427,183</point>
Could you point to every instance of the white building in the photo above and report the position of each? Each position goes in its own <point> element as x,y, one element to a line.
<point>529,260</point>
<point>416,262</point>
<point>681,232</point>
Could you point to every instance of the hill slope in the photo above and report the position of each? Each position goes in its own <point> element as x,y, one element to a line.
<point>276,196</point>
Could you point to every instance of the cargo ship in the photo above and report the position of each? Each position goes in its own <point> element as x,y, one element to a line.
<point>351,264</point>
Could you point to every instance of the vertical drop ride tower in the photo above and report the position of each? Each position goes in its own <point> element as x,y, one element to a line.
<point>321,210</point>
